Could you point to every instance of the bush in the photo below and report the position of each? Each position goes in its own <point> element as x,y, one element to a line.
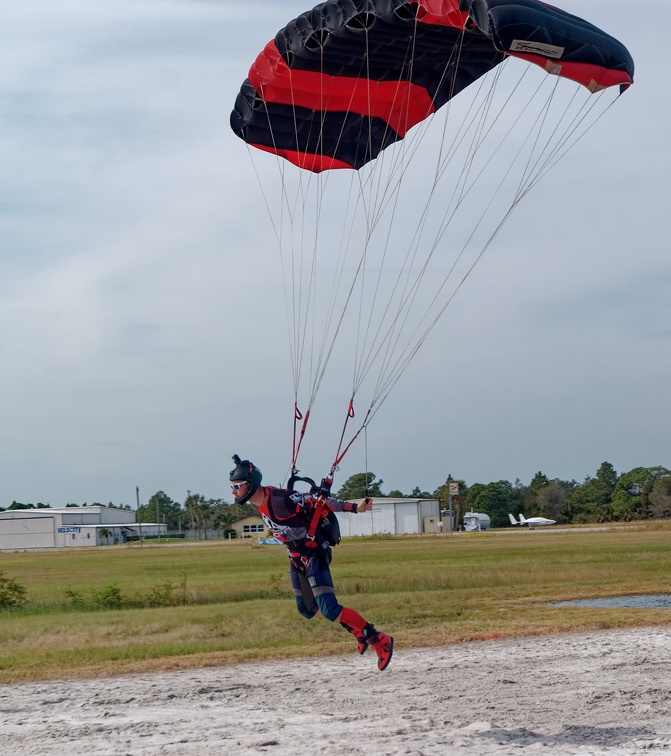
<point>112,597</point>
<point>11,592</point>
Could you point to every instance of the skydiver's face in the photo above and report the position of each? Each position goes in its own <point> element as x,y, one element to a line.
<point>239,488</point>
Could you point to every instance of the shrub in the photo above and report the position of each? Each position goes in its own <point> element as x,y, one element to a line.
<point>111,597</point>
<point>11,592</point>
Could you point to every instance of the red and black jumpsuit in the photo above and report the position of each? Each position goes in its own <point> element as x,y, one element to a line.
<point>288,515</point>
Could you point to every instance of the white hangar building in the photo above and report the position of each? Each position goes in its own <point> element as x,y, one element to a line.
<point>61,527</point>
<point>393,517</point>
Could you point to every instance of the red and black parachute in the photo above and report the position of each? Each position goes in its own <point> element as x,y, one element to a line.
<point>372,257</point>
<point>345,80</point>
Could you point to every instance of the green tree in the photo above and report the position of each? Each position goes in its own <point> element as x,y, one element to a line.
<point>592,501</point>
<point>105,534</point>
<point>228,514</point>
<point>530,504</point>
<point>471,496</point>
<point>169,511</point>
<point>111,505</point>
<point>660,498</point>
<point>359,485</point>
<point>497,500</point>
<point>552,500</point>
<point>200,513</point>
<point>631,496</point>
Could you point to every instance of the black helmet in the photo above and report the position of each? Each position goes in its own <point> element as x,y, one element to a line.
<point>245,470</point>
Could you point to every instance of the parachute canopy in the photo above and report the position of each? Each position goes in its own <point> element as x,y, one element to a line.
<point>445,110</point>
<point>343,81</point>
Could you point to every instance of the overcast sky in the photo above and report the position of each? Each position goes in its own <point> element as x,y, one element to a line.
<point>139,344</point>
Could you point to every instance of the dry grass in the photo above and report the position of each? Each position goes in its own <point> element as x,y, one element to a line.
<point>427,591</point>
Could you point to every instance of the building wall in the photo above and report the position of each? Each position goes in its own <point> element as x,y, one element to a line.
<point>60,527</point>
<point>250,527</point>
<point>75,535</point>
<point>75,515</point>
<point>27,533</point>
<point>390,516</point>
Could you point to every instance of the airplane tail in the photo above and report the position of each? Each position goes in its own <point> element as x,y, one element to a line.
<point>523,520</point>
<point>513,521</point>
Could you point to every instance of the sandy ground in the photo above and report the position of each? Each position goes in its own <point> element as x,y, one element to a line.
<point>597,693</point>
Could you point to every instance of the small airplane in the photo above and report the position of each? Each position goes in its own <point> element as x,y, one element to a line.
<point>532,522</point>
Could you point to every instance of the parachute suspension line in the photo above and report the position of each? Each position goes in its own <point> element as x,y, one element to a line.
<point>305,306</point>
<point>412,352</point>
<point>379,203</point>
<point>406,148</point>
<point>365,459</point>
<point>330,333</point>
<point>295,300</point>
<point>411,289</point>
<point>525,186</point>
<point>402,284</point>
<point>292,275</point>
<point>369,353</point>
<point>466,188</point>
<point>298,437</point>
<point>340,454</point>
<point>325,349</point>
<point>278,229</point>
<point>382,205</point>
<point>571,137</point>
<point>362,269</point>
<point>359,277</point>
<point>381,387</point>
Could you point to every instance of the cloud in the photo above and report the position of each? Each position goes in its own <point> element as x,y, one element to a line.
<point>143,336</point>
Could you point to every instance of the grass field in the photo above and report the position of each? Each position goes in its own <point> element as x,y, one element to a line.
<point>233,600</point>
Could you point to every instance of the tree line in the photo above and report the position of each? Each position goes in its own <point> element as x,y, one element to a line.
<point>196,514</point>
<point>639,494</point>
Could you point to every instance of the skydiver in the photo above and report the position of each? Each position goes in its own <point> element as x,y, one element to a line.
<point>289,515</point>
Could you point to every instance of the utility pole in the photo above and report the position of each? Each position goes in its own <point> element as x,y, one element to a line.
<point>453,490</point>
<point>139,520</point>
<point>190,511</point>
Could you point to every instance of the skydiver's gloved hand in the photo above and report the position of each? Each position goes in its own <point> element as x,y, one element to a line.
<point>365,505</point>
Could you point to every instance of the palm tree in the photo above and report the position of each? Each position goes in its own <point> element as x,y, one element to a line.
<point>105,534</point>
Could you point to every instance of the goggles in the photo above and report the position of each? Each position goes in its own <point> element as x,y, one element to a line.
<point>238,486</point>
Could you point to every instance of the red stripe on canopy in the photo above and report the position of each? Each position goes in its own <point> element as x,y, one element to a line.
<point>589,75</point>
<point>400,104</point>
<point>305,160</point>
<point>441,13</point>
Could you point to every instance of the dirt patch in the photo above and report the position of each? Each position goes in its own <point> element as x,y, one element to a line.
<point>596,693</point>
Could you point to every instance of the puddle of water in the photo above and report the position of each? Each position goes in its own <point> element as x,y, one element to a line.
<point>622,602</point>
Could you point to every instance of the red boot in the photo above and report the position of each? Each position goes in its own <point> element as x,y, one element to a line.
<point>384,648</point>
<point>362,643</point>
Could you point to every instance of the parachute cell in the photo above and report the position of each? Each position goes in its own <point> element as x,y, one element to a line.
<point>342,82</point>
